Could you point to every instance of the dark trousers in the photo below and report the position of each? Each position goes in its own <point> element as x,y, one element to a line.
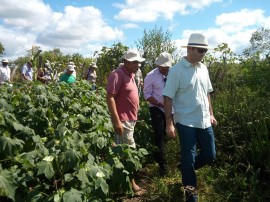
<point>159,127</point>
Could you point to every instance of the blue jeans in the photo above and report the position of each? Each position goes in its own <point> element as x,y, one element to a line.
<point>190,161</point>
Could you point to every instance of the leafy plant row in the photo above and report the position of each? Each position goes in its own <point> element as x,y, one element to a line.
<point>56,145</point>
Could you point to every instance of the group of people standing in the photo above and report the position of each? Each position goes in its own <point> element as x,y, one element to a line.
<point>5,73</point>
<point>179,97</point>
<point>46,74</point>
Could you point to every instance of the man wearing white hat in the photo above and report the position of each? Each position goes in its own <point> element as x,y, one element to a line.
<point>68,76</point>
<point>92,74</point>
<point>188,90</point>
<point>4,71</point>
<point>123,101</point>
<point>154,83</point>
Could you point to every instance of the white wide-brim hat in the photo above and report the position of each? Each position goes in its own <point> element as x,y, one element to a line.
<point>71,68</point>
<point>94,65</point>
<point>71,63</point>
<point>197,40</point>
<point>132,55</point>
<point>5,60</point>
<point>164,60</point>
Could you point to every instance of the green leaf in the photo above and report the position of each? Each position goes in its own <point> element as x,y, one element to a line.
<point>8,145</point>
<point>91,159</point>
<point>42,100</point>
<point>4,105</point>
<point>101,182</point>
<point>46,168</point>
<point>66,101</point>
<point>118,163</point>
<point>76,107</point>
<point>82,176</point>
<point>19,127</point>
<point>7,184</point>
<point>101,142</point>
<point>69,159</point>
<point>25,98</point>
<point>72,196</point>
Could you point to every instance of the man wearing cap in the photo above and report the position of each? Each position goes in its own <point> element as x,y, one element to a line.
<point>92,75</point>
<point>68,76</point>
<point>27,71</point>
<point>4,71</point>
<point>123,101</point>
<point>188,90</point>
<point>154,83</point>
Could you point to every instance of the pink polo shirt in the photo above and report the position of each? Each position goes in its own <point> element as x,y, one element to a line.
<point>122,85</point>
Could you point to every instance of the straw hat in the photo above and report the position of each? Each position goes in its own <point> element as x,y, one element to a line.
<point>197,40</point>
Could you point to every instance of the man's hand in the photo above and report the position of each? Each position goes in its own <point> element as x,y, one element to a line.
<point>170,130</point>
<point>213,120</point>
<point>118,128</point>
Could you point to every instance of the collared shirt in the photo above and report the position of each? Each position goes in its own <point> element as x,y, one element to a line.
<point>68,78</point>
<point>188,87</point>
<point>27,71</point>
<point>4,74</point>
<point>154,83</point>
<point>122,85</point>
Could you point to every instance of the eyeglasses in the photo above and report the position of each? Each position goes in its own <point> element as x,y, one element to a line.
<point>202,50</point>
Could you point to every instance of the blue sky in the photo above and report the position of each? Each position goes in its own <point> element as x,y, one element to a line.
<point>85,26</point>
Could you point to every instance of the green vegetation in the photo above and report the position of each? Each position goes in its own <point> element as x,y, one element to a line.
<point>56,145</point>
<point>55,142</point>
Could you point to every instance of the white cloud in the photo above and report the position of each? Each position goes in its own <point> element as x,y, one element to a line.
<point>77,26</point>
<point>233,28</point>
<point>16,43</point>
<point>151,10</point>
<point>33,22</point>
<point>30,15</point>
<point>237,21</point>
<point>129,26</point>
<point>84,29</point>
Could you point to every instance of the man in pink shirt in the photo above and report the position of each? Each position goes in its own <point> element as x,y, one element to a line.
<point>154,83</point>
<point>123,100</point>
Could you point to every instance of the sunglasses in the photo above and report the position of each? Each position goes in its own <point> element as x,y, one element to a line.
<point>202,50</point>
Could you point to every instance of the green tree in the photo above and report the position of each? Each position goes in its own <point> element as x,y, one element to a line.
<point>108,59</point>
<point>222,66</point>
<point>153,43</point>
<point>259,43</point>
<point>2,49</point>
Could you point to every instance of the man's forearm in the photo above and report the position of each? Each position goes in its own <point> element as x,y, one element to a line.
<point>112,108</point>
<point>210,105</point>
<point>168,110</point>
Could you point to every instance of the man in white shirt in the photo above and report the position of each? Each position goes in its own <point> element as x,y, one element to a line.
<point>27,71</point>
<point>4,72</point>
<point>188,90</point>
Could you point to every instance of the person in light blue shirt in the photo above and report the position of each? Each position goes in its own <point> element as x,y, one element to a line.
<point>188,90</point>
<point>154,83</point>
